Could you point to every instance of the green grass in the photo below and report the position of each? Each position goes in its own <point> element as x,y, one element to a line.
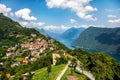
<point>78,75</point>
<point>19,59</point>
<point>41,74</point>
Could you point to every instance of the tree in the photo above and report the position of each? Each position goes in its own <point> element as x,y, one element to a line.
<point>82,67</point>
<point>48,69</point>
<point>73,66</point>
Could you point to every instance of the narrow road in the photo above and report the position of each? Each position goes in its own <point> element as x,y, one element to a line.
<point>87,73</point>
<point>63,71</point>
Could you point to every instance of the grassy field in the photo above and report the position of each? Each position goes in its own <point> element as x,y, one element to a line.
<point>19,59</point>
<point>78,75</point>
<point>41,74</point>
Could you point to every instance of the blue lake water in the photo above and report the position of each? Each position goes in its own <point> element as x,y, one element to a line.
<point>115,56</point>
<point>68,44</point>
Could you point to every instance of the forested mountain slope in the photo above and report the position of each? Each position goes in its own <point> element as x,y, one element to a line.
<point>99,39</point>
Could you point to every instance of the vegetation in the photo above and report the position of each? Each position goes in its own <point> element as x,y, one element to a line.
<point>48,70</point>
<point>99,39</point>
<point>24,60</point>
<point>61,60</point>
<point>41,74</point>
<point>102,66</point>
<point>76,74</point>
<point>12,33</point>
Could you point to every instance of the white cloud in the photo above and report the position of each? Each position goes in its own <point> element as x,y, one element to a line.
<point>32,24</point>
<point>111,16</point>
<point>80,7</point>
<point>4,9</point>
<point>72,21</point>
<point>56,29</point>
<point>25,14</point>
<point>11,13</point>
<point>98,25</point>
<point>115,21</point>
<point>82,26</point>
<point>60,29</point>
<point>87,25</point>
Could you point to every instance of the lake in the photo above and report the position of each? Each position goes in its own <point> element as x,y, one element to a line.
<point>68,44</point>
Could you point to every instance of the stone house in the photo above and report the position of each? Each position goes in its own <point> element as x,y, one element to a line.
<point>8,75</point>
<point>54,56</point>
<point>25,61</point>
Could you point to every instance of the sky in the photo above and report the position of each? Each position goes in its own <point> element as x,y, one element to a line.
<point>60,15</point>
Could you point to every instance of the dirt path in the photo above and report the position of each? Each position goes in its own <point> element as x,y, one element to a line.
<point>63,71</point>
<point>87,73</point>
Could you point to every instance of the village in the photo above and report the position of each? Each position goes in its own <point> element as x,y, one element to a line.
<point>31,51</point>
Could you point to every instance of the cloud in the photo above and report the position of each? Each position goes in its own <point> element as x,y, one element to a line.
<point>11,14</point>
<point>4,9</point>
<point>115,21</point>
<point>56,29</point>
<point>87,25</point>
<point>80,7</point>
<point>24,14</point>
<point>72,21</point>
<point>32,24</point>
<point>61,28</point>
<point>111,16</point>
<point>82,26</point>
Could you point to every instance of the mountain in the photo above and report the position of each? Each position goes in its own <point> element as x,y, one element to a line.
<point>48,33</point>
<point>67,37</point>
<point>25,54</point>
<point>12,32</point>
<point>72,33</point>
<point>99,39</point>
<point>24,50</point>
<point>52,34</point>
<point>42,31</point>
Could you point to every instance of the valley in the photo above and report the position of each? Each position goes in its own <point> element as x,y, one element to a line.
<point>59,40</point>
<point>26,54</point>
<point>71,37</point>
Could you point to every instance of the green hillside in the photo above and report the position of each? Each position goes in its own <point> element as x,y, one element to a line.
<point>23,49</point>
<point>101,65</point>
<point>76,74</point>
<point>99,39</point>
<point>42,73</point>
<point>24,52</point>
<point>12,33</point>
